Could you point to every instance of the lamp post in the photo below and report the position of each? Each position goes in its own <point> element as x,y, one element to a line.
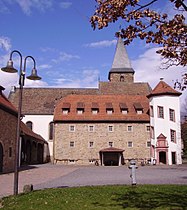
<point>10,69</point>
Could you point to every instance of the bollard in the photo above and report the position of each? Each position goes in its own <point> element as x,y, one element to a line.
<point>133,168</point>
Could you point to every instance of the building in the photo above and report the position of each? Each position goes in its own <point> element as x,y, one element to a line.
<point>8,124</point>
<point>32,144</point>
<point>106,125</point>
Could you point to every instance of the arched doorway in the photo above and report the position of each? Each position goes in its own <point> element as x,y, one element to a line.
<point>1,158</point>
<point>162,157</point>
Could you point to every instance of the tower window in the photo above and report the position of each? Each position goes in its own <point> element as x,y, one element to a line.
<point>160,112</point>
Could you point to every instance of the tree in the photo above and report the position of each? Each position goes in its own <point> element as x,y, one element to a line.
<point>149,25</point>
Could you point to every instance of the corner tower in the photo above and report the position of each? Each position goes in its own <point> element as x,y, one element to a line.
<point>121,70</point>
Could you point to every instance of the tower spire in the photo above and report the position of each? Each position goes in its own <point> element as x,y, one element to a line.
<point>121,63</point>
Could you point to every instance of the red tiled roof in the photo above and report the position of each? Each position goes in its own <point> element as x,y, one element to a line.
<point>101,100</point>
<point>163,89</point>
<point>6,104</point>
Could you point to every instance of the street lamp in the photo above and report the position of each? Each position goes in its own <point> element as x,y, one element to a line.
<point>10,69</point>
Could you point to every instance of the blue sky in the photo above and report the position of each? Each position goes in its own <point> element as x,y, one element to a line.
<point>68,52</point>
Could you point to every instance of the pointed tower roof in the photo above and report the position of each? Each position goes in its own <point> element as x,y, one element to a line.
<point>121,62</point>
<point>163,89</point>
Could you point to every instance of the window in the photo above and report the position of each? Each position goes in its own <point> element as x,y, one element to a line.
<point>29,124</point>
<point>129,128</point>
<point>139,111</point>
<point>65,111</point>
<point>80,108</point>
<point>66,108</point>
<point>110,144</point>
<point>160,112</point>
<point>122,79</point>
<point>72,128</point>
<point>172,115</point>
<point>91,144</point>
<point>148,128</point>
<point>148,144</point>
<point>91,128</point>
<point>151,111</point>
<point>95,108</point>
<point>109,108</point>
<point>152,132</point>
<point>123,108</point>
<point>138,108</point>
<point>80,111</point>
<point>10,152</point>
<point>95,111</point>
<point>130,144</point>
<point>72,144</point>
<point>51,128</point>
<point>173,136</point>
<point>110,128</point>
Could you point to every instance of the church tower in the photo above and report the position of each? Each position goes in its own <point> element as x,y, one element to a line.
<point>121,70</point>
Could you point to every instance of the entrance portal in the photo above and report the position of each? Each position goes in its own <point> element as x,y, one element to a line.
<point>1,158</point>
<point>111,156</point>
<point>162,157</point>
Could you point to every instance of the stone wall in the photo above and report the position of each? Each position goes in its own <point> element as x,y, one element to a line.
<point>127,77</point>
<point>82,153</point>
<point>8,127</point>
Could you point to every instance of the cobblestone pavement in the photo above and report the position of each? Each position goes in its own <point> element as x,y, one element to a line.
<point>52,176</point>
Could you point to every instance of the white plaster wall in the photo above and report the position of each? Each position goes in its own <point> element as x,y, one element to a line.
<point>164,125</point>
<point>41,127</point>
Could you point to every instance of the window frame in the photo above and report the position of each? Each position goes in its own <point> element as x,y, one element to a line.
<point>151,111</point>
<point>110,126</point>
<point>51,130</point>
<point>131,128</point>
<point>148,144</point>
<point>173,135</point>
<point>91,126</point>
<point>160,110</point>
<point>72,144</point>
<point>129,144</point>
<point>71,126</point>
<point>172,115</point>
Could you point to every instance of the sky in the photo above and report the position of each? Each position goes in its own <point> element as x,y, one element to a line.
<point>67,51</point>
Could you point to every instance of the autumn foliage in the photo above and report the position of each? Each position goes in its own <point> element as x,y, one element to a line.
<point>170,33</point>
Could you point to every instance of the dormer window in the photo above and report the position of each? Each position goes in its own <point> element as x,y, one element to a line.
<point>66,108</point>
<point>95,108</point>
<point>138,107</point>
<point>123,108</point>
<point>80,108</point>
<point>109,108</point>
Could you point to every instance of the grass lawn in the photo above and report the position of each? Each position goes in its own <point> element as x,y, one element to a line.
<point>101,197</point>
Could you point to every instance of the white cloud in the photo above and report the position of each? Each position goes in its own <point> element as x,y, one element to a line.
<point>65,57</point>
<point>65,4</point>
<point>5,43</point>
<point>101,44</point>
<point>89,78</point>
<point>147,69</point>
<point>26,5</point>
<point>44,66</point>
